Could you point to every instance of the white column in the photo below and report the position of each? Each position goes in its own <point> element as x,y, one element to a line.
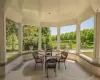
<point>39,38</point>
<point>58,38</point>
<point>96,57</point>
<point>78,38</point>
<point>2,37</point>
<point>20,37</point>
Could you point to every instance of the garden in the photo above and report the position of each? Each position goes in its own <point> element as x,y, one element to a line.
<point>30,38</point>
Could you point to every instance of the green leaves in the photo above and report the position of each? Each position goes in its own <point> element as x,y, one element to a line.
<point>30,36</point>
<point>11,35</point>
<point>87,35</point>
<point>46,38</point>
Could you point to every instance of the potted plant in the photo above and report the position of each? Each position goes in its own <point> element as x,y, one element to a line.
<point>31,46</point>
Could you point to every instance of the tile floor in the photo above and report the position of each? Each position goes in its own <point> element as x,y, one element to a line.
<point>26,71</point>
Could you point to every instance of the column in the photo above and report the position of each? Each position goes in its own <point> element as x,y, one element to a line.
<point>20,37</point>
<point>39,38</point>
<point>96,57</point>
<point>78,38</point>
<point>58,38</point>
<point>2,37</point>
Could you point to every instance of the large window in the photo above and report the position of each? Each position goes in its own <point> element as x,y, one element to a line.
<point>49,37</point>
<point>11,39</point>
<point>87,37</point>
<point>30,38</point>
<point>68,38</point>
<point>46,42</point>
<point>54,37</point>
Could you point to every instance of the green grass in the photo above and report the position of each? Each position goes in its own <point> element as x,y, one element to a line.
<point>11,57</point>
<point>73,46</point>
<point>62,44</point>
<point>89,54</point>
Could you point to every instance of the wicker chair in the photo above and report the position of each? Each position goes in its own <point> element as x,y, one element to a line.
<point>39,58</point>
<point>62,58</point>
<point>48,52</point>
<point>51,63</point>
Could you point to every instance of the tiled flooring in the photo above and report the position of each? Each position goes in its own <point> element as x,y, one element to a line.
<point>26,71</point>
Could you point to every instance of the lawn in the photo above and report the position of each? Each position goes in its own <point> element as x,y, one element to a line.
<point>73,46</point>
<point>89,54</point>
<point>63,45</point>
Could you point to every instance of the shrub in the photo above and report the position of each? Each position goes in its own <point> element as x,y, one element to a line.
<point>70,44</point>
<point>63,46</point>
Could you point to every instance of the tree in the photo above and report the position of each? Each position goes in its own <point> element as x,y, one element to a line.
<point>11,34</point>
<point>46,39</point>
<point>62,37</point>
<point>54,38</point>
<point>30,37</point>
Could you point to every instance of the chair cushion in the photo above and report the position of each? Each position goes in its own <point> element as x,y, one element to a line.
<point>39,60</point>
<point>51,65</point>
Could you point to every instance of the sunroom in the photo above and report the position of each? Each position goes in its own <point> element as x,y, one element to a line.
<point>28,26</point>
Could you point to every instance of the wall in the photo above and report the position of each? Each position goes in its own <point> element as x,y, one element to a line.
<point>88,66</point>
<point>72,56</point>
<point>8,67</point>
<point>27,57</point>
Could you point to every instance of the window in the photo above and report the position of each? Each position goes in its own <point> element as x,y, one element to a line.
<point>11,39</point>
<point>49,39</point>
<point>68,38</point>
<point>54,37</point>
<point>87,37</point>
<point>30,38</point>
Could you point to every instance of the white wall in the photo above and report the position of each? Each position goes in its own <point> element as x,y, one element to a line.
<point>88,66</point>
<point>7,68</point>
<point>27,57</point>
<point>72,56</point>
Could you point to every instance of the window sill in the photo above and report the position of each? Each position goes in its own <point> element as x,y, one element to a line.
<point>89,60</point>
<point>86,58</point>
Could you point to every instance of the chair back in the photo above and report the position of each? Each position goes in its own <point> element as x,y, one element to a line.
<point>51,63</point>
<point>35,54</point>
<point>48,52</point>
<point>65,54</point>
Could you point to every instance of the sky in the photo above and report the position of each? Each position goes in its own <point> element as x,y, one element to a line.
<point>88,24</point>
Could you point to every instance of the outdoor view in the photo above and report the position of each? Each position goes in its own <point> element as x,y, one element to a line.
<point>49,37</point>
<point>46,38</point>
<point>11,39</point>
<point>54,37</point>
<point>68,38</point>
<point>30,38</point>
<point>87,37</point>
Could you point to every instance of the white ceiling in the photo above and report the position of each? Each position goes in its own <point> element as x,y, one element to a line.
<point>48,12</point>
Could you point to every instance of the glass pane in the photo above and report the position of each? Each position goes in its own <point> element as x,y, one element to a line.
<point>87,37</point>
<point>30,38</point>
<point>68,38</point>
<point>54,37</point>
<point>49,37</point>
<point>11,39</point>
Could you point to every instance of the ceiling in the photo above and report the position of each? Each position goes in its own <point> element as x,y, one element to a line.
<point>49,12</point>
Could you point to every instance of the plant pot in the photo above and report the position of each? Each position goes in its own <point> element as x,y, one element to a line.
<point>31,47</point>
